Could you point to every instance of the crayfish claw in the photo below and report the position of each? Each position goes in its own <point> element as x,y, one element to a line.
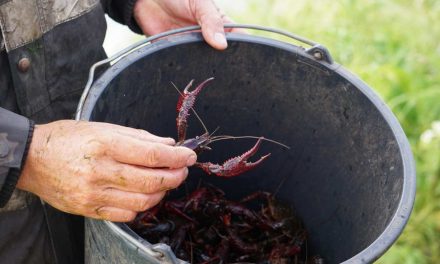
<point>245,156</point>
<point>185,90</point>
<point>234,166</point>
<point>184,105</point>
<point>256,163</point>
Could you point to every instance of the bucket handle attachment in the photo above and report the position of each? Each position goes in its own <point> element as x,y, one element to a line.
<point>317,51</point>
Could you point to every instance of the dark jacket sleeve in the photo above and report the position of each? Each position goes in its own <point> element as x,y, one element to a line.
<point>15,134</point>
<point>122,12</point>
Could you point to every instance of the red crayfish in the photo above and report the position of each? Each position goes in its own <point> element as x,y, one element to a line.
<point>205,227</point>
<point>231,167</point>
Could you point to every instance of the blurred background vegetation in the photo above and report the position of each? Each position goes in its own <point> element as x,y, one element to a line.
<point>394,46</point>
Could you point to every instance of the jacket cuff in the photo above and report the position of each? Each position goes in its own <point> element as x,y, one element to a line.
<point>14,173</point>
<point>15,138</point>
<point>129,17</point>
<point>122,11</point>
<point>14,131</point>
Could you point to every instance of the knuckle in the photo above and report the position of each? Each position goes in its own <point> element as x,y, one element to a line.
<point>175,178</point>
<point>100,213</point>
<point>181,174</point>
<point>219,20</point>
<point>129,216</point>
<point>157,199</point>
<point>179,157</point>
<point>205,16</point>
<point>152,155</point>
<point>94,146</point>
<point>147,185</point>
<point>104,139</point>
<point>143,132</point>
<point>118,176</point>
<point>113,142</point>
<point>108,143</point>
<point>144,204</point>
<point>89,212</point>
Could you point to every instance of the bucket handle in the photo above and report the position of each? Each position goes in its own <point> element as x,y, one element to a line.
<point>317,51</point>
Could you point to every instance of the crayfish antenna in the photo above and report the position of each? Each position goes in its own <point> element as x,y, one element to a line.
<point>177,89</point>
<point>225,137</point>
<point>215,130</point>
<point>200,119</point>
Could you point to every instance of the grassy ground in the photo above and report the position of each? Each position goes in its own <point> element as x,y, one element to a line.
<point>394,46</point>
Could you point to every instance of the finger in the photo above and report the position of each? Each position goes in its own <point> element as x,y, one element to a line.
<point>131,201</point>
<point>136,133</point>
<point>140,179</point>
<point>210,19</point>
<point>228,20</point>
<point>115,214</point>
<point>150,154</point>
<point>147,136</point>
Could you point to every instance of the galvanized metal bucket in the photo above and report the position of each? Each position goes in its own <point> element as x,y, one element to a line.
<point>350,173</point>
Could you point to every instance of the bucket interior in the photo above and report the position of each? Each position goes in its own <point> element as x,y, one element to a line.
<point>343,173</point>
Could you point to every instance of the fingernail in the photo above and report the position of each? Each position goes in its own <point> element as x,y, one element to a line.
<point>220,39</point>
<point>191,160</point>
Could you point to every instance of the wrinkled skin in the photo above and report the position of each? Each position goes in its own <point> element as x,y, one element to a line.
<point>111,172</point>
<point>102,170</point>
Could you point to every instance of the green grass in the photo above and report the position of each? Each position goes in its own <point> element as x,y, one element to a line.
<point>394,46</point>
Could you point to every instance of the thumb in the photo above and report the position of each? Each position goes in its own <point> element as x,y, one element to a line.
<point>211,21</point>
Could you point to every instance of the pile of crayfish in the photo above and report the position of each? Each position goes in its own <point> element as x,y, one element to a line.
<point>205,227</point>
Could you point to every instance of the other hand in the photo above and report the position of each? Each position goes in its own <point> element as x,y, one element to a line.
<point>102,170</point>
<point>155,16</point>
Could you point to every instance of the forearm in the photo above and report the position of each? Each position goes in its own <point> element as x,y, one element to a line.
<point>15,135</point>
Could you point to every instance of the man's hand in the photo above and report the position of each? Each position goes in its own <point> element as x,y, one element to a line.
<point>102,170</point>
<point>155,16</point>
